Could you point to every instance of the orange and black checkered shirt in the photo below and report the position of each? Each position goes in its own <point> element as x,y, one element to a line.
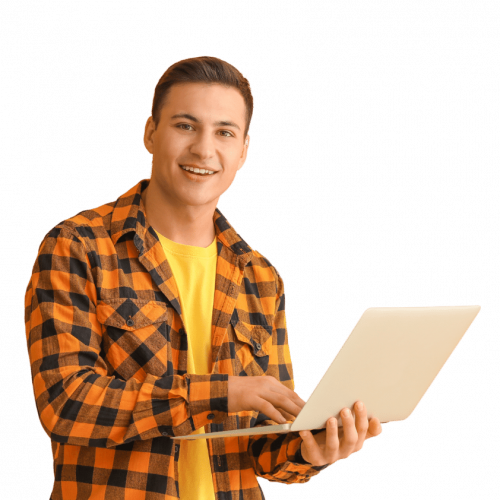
<point>108,354</point>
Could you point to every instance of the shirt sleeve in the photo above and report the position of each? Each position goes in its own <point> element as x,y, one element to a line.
<point>277,457</point>
<point>77,401</point>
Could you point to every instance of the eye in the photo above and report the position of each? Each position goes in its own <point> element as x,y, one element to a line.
<point>183,125</point>
<point>188,125</point>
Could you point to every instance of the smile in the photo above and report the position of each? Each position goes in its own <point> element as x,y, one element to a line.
<point>196,176</point>
<point>197,171</point>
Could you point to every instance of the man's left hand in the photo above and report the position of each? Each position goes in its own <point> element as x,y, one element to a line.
<point>332,444</point>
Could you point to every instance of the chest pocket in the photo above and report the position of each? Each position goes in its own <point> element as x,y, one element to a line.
<point>136,336</point>
<point>252,346</point>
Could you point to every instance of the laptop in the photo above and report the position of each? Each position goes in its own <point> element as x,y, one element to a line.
<point>389,360</point>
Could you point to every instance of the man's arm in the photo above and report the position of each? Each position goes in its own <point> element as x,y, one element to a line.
<point>77,402</point>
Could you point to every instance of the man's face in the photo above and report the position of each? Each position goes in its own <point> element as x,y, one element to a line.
<point>197,140</point>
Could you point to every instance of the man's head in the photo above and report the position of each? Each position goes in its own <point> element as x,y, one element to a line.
<point>201,115</point>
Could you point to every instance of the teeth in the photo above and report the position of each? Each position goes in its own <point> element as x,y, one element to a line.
<point>197,170</point>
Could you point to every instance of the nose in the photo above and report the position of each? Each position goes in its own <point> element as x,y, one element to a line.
<point>203,146</point>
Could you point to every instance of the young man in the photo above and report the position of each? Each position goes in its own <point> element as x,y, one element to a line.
<point>150,317</point>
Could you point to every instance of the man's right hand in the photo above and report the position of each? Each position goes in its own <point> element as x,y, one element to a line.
<point>264,394</point>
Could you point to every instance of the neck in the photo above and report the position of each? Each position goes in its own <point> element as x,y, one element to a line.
<point>186,224</point>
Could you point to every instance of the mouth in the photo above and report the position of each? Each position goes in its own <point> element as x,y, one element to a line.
<point>194,171</point>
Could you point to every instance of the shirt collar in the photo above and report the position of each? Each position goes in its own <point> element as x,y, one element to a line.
<point>128,215</point>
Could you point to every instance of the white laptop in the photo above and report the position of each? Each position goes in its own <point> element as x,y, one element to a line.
<point>389,361</point>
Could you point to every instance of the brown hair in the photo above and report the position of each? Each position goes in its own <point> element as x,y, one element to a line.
<point>202,69</point>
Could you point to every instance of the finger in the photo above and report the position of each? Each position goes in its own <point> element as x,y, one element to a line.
<point>361,424</point>
<point>374,428</point>
<point>287,408</point>
<point>309,453</point>
<point>300,401</point>
<point>312,451</point>
<point>290,393</point>
<point>268,409</point>
<point>332,442</point>
<point>279,400</point>
<point>287,415</point>
<point>277,386</point>
<point>350,438</point>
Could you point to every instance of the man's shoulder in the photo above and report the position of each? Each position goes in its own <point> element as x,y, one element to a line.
<point>105,220</point>
<point>263,270</point>
<point>88,223</point>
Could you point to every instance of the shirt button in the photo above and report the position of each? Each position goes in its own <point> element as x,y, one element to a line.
<point>258,346</point>
<point>164,433</point>
<point>176,448</point>
<point>210,416</point>
<point>130,322</point>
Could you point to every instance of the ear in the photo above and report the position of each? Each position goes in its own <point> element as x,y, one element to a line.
<point>148,134</point>
<point>244,152</point>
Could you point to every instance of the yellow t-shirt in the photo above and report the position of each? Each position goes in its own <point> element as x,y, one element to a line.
<point>194,272</point>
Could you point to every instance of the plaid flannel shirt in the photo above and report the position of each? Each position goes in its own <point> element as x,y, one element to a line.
<point>108,355</point>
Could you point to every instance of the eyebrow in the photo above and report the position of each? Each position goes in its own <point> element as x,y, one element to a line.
<point>223,123</point>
